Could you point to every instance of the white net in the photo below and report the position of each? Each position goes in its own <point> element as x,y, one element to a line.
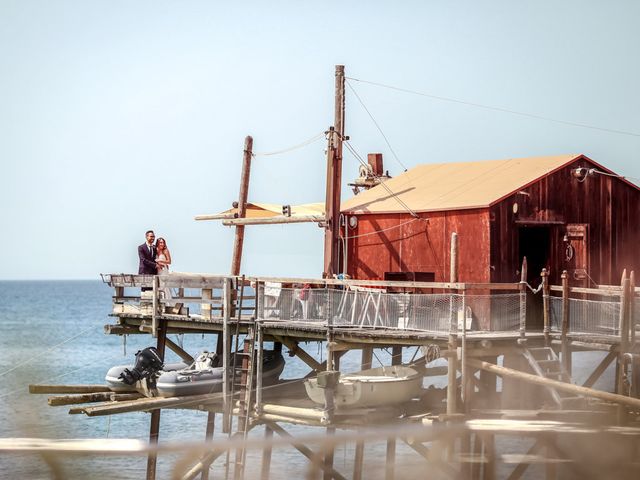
<point>374,308</point>
<point>587,316</point>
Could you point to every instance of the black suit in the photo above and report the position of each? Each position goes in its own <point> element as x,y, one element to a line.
<point>147,264</point>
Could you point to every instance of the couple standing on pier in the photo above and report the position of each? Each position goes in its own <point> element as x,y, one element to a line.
<point>154,257</point>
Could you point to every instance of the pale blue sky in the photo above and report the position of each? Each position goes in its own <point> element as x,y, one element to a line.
<point>118,116</point>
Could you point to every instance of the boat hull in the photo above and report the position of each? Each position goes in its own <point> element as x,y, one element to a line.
<point>115,383</point>
<point>370,388</point>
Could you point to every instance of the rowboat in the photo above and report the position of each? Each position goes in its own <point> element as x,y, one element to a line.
<point>370,388</point>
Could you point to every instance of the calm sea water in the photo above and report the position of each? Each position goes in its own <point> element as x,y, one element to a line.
<point>52,332</point>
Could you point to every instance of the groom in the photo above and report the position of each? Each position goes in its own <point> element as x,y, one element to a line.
<point>147,256</point>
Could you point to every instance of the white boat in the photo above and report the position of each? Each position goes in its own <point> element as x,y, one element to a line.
<point>370,388</point>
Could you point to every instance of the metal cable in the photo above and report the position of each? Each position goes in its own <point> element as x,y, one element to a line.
<point>315,138</point>
<point>497,109</point>
<point>377,126</point>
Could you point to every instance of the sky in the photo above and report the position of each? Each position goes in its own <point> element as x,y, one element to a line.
<point>120,116</point>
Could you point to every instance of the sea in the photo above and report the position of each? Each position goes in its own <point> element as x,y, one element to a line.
<point>52,332</point>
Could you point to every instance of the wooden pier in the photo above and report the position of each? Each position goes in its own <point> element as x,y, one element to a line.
<point>484,330</point>
<point>437,320</point>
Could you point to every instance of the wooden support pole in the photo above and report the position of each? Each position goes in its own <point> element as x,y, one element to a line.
<point>367,358</point>
<point>334,181</point>
<point>396,359</point>
<point>396,354</point>
<point>565,347</point>
<point>546,307</point>
<point>333,363</point>
<point>452,393</point>
<point>523,299</point>
<point>489,470</point>
<point>466,382</point>
<point>632,302</point>
<point>205,308</point>
<point>242,205</point>
<point>467,388</point>
<point>266,453</point>
<point>154,429</point>
<point>226,357</point>
<point>365,364</point>
<point>211,425</point>
<point>389,472</point>
<point>358,460</point>
<point>623,320</point>
<point>259,367</point>
<point>156,307</point>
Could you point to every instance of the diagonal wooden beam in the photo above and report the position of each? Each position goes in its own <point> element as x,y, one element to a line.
<point>306,451</point>
<point>565,387</point>
<point>425,453</point>
<point>522,467</point>
<point>299,352</point>
<point>606,361</point>
<point>175,348</point>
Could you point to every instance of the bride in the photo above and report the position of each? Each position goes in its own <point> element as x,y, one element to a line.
<point>163,260</point>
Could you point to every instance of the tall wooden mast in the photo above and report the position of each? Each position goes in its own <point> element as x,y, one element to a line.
<point>334,181</point>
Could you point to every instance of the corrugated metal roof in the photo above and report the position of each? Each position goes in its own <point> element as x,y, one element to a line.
<point>455,186</point>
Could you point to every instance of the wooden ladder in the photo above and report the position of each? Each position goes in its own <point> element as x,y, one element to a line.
<point>242,383</point>
<point>545,363</point>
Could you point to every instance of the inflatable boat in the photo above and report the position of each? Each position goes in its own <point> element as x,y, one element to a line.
<point>204,375</point>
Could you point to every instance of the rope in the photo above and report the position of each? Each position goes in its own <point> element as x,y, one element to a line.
<point>534,290</point>
<point>45,352</point>
<point>21,390</point>
<point>382,230</point>
<point>497,109</point>
<point>377,125</point>
<point>315,138</point>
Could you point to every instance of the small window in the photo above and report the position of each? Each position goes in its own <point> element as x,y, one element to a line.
<point>410,277</point>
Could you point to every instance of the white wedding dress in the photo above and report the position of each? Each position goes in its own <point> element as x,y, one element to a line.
<point>164,270</point>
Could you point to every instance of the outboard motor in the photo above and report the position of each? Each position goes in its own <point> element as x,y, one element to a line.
<point>148,362</point>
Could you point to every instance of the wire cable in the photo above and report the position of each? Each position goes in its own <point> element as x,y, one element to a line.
<point>377,125</point>
<point>315,138</point>
<point>383,229</point>
<point>44,352</point>
<point>498,109</point>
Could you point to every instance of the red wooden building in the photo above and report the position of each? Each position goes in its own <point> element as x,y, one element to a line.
<point>562,212</point>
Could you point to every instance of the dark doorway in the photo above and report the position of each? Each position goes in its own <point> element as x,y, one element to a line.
<point>535,244</point>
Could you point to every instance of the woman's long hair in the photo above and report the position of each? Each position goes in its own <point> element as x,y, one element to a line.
<point>158,240</point>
